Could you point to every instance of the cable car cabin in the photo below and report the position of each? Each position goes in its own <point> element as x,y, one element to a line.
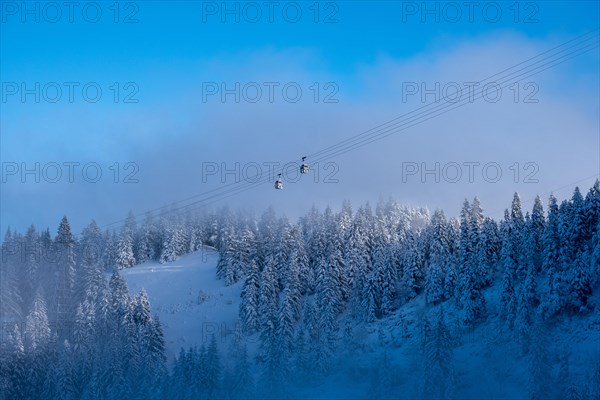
<point>304,167</point>
<point>279,183</point>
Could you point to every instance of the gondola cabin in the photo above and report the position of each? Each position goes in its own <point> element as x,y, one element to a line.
<point>279,183</point>
<point>304,167</point>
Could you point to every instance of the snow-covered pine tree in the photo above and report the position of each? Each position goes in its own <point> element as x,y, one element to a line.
<point>29,268</point>
<point>592,210</point>
<point>595,258</point>
<point>527,305</point>
<point>538,226</point>
<point>579,282</point>
<point>124,256</point>
<point>389,282</point>
<point>268,306</point>
<point>412,269</point>
<point>508,298</point>
<point>438,365</point>
<point>439,258</point>
<point>146,248</point>
<point>580,231</point>
<point>10,298</point>
<point>474,273</point>
<point>284,332</point>
<point>551,300</point>
<point>250,299</point>
<point>65,272</point>
<point>37,326</point>
<point>13,366</point>
<point>465,251</point>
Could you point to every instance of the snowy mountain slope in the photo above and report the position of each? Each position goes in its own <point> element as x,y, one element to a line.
<point>485,362</point>
<point>192,304</point>
<point>190,301</point>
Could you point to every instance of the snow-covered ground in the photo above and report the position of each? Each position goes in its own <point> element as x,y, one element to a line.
<point>191,302</point>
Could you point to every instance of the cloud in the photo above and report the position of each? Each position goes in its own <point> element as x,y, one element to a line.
<point>174,132</point>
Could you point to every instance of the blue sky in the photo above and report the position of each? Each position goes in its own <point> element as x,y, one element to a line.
<point>367,50</point>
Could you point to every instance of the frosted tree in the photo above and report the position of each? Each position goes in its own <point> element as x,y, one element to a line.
<point>246,248</point>
<point>109,259</point>
<point>370,298</point>
<point>358,262</point>
<point>37,326</point>
<point>119,301</point>
<point>267,314</point>
<point>580,231</point>
<point>438,369</point>
<point>64,272</point>
<point>267,234</point>
<point>285,330</point>
<point>155,356</point>
<point>329,295</point>
<point>439,258</point>
<point>373,289</point>
<point>84,328</point>
<point>465,250</point>
<point>412,270</point>
<point>526,308</point>
<point>250,294</point>
<point>579,281</point>
<point>473,273</point>
<point>389,283</point>
<point>538,226</point>
<point>147,244</point>
<point>293,282</point>
<point>235,257</point>
<point>231,263</point>
<point>10,297</point>
<point>488,250</point>
<point>173,244</point>
<point>90,260</point>
<point>551,301</point>
<point>517,222</point>
<point>281,250</point>
<point>28,271</point>
<point>192,233</point>
<point>336,261</point>
<point>595,258</point>
<point>527,256</point>
<point>13,374</point>
<point>299,269</point>
<point>508,298</point>
<point>124,257</point>
<point>476,221</point>
<point>84,337</point>
<point>567,246</point>
<point>65,374</point>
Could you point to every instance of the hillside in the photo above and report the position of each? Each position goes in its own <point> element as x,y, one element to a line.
<point>189,300</point>
<point>192,304</point>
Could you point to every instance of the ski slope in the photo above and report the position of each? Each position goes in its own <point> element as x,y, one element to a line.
<point>191,302</point>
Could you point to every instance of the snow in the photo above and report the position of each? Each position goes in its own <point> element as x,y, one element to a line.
<point>191,302</point>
